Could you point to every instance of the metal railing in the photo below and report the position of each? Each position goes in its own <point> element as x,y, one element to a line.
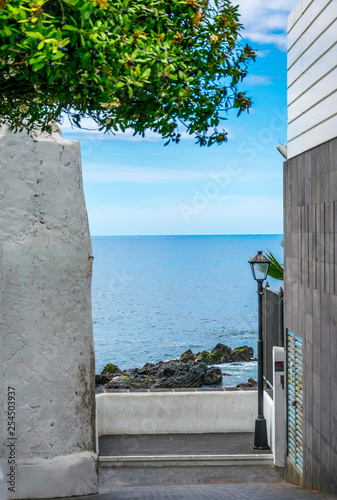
<point>272,324</point>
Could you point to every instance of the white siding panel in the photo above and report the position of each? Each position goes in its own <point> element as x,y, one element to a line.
<point>318,135</point>
<point>322,89</point>
<point>324,43</point>
<point>297,12</point>
<point>309,15</point>
<point>309,78</point>
<point>311,118</point>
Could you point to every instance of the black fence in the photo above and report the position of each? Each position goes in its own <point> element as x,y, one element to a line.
<point>272,324</point>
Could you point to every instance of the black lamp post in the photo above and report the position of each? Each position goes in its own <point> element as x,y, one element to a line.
<point>259,266</point>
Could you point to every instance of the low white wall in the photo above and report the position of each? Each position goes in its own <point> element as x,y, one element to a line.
<point>176,412</point>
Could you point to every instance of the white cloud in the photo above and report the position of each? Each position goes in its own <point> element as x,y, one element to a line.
<point>89,131</point>
<point>222,215</point>
<point>266,22</point>
<point>94,173</point>
<point>258,80</point>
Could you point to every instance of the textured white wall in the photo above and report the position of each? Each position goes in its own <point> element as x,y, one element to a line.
<point>312,75</point>
<point>46,327</point>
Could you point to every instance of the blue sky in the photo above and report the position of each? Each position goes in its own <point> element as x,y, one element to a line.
<point>136,186</point>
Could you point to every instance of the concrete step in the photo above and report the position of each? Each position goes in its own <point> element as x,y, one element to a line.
<point>185,460</point>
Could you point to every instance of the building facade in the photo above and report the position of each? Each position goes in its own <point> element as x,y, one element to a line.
<point>310,250</point>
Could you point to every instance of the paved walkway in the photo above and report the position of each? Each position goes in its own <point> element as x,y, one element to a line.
<point>198,483</point>
<point>226,482</point>
<point>233,443</point>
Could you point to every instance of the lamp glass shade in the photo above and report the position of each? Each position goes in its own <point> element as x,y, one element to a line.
<point>259,266</point>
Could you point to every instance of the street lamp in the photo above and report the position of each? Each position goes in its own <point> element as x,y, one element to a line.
<point>259,266</point>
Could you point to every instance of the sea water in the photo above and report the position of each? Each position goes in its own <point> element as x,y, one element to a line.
<point>154,297</point>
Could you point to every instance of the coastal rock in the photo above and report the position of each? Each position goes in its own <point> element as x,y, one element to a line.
<point>223,354</point>
<point>167,375</point>
<point>243,353</point>
<point>251,383</point>
<point>191,371</point>
<point>187,356</point>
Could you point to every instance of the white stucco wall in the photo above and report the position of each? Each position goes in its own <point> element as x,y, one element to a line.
<point>312,75</point>
<point>176,412</point>
<point>46,327</point>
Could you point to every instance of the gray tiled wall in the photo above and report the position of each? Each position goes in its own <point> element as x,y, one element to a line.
<point>310,256</point>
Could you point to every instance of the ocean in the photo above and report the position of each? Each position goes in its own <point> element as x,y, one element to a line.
<point>154,297</point>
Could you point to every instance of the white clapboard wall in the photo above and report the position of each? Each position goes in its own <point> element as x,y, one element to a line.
<point>312,75</point>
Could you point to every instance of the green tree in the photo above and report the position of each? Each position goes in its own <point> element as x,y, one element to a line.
<point>276,270</point>
<point>140,64</point>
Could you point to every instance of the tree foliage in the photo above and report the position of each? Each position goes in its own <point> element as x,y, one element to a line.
<point>139,64</point>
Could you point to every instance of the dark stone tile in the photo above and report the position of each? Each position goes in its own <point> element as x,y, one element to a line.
<point>324,186</point>
<point>294,230</point>
<point>324,157</point>
<point>315,161</point>
<point>316,360</point>
<point>333,400</point>
<point>308,381</point>
<point>287,196</point>
<point>324,479</point>
<point>333,186</point>
<point>307,191</point>
<point>325,430</point>
<point>308,437</point>
<point>333,310</point>
<point>333,463</point>
<point>294,190</point>
<point>316,380</point>
<point>325,381</point>
<point>311,274</point>
<point>312,227</point>
<point>294,320</point>
<point>333,431</point>
<point>333,371</point>
<point>333,154</point>
<point>294,170</point>
<point>301,192</point>
<point>287,230</point>
<point>309,409</point>
<point>332,279</point>
<point>325,306</point>
<point>316,443</point>
<point>333,341</point>
<point>307,164</point>
<point>316,483</point>
<point>315,189</point>
<point>301,324</point>
<point>327,217</point>
<point>301,298</point>
<point>308,300</point>
<point>316,303</point>
<point>325,337</point>
<point>316,332</point>
<point>308,467</point>
<point>308,328</point>
<point>333,485</point>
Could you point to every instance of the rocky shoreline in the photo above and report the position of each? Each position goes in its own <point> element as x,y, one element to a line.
<point>189,371</point>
